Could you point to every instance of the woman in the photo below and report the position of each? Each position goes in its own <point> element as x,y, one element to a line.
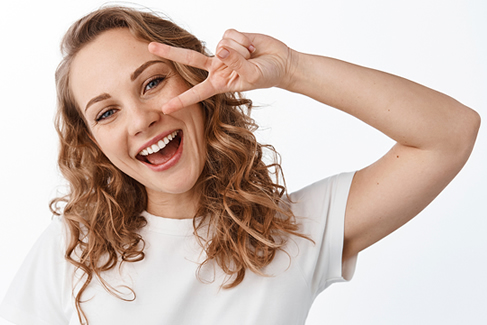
<point>174,218</point>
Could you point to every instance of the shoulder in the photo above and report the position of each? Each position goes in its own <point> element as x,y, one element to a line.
<point>40,291</point>
<point>51,244</point>
<point>55,233</point>
<point>323,198</point>
<point>47,254</point>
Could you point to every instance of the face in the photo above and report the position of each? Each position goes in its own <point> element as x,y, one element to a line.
<point>120,87</point>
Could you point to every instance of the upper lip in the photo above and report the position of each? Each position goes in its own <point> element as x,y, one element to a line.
<point>155,140</point>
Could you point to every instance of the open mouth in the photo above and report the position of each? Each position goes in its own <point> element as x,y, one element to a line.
<point>162,151</point>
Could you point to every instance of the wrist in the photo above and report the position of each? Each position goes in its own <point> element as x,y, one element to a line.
<point>291,71</point>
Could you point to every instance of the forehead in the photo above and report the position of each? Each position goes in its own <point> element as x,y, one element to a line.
<point>105,62</point>
<point>112,48</point>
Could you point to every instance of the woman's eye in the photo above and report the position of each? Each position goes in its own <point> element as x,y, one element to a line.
<point>152,84</point>
<point>105,115</point>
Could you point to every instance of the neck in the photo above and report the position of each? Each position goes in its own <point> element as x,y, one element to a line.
<point>173,206</point>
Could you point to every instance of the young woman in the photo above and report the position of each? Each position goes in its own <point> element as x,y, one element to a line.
<point>174,218</point>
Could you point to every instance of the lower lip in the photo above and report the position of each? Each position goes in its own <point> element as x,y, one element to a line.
<point>171,162</point>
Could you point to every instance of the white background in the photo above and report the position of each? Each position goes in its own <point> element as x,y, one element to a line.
<point>431,271</point>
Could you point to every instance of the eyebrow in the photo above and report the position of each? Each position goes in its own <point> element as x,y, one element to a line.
<point>133,76</point>
<point>144,66</point>
<point>97,99</point>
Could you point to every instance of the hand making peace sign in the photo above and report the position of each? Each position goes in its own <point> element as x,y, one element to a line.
<point>243,62</point>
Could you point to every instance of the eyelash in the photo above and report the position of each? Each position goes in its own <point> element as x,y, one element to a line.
<point>102,115</point>
<point>159,79</point>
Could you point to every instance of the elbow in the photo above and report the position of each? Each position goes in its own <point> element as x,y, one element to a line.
<point>465,136</point>
<point>471,126</point>
<point>476,120</point>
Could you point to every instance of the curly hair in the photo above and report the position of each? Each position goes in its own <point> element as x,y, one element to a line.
<point>241,200</point>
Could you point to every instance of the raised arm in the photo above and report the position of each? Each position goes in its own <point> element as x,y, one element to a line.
<point>434,133</point>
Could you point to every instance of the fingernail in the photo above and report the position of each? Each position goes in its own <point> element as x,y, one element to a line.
<point>251,48</point>
<point>223,54</point>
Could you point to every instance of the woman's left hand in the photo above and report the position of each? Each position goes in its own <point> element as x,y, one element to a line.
<point>242,62</point>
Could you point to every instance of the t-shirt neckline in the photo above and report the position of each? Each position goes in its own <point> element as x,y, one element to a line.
<point>175,227</point>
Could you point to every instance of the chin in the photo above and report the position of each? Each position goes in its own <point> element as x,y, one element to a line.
<point>176,185</point>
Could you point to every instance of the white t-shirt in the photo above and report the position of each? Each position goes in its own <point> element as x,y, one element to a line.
<point>165,282</point>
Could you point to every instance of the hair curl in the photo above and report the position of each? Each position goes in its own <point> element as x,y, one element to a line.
<point>243,206</point>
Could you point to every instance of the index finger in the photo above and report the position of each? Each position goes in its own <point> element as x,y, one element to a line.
<point>194,95</point>
<point>180,55</point>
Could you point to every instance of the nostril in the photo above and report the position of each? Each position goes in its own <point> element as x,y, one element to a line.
<point>154,122</point>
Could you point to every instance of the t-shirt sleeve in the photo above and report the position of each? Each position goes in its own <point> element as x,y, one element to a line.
<point>320,210</point>
<point>40,291</point>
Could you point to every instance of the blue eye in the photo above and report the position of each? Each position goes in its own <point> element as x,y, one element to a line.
<point>152,84</point>
<point>105,115</point>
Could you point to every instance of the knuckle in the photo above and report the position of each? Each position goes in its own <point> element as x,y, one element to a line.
<point>224,43</point>
<point>229,32</point>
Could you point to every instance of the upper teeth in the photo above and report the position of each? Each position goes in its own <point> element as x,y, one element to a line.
<point>159,145</point>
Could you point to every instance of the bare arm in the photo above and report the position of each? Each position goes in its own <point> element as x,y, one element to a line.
<point>434,133</point>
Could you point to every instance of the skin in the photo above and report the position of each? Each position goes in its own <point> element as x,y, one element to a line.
<point>125,114</point>
<point>434,133</point>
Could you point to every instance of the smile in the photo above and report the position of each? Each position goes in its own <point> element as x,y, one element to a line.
<point>159,145</point>
<point>163,150</point>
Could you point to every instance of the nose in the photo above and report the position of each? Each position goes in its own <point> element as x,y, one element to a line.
<point>141,117</point>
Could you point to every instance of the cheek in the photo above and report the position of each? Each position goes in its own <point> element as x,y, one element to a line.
<point>200,125</point>
<point>110,145</point>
